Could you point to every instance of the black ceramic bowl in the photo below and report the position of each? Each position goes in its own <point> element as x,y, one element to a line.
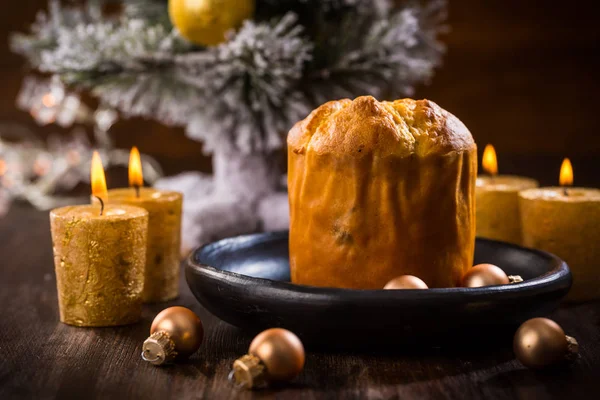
<point>245,281</point>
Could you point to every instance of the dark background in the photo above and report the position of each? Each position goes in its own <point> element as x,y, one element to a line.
<point>521,75</point>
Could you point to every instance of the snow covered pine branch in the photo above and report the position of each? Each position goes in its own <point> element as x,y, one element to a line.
<point>239,97</point>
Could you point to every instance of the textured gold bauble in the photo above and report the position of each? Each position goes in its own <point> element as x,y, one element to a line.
<point>405,282</point>
<point>275,355</point>
<point>484,275</point>
<point>183,326</point>
<point>205,22</point>
<point>176,332</point>
<point>541,342</point>
<point>281,352</point>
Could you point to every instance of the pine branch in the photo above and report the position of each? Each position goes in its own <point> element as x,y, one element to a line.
<point>47,27</point>
<point>90,50</point>
<point>251,85</point>
<point>248,91</point>
<point>243,92</point>
<point>156,94</point>
<point>152,11</point>
<point>394,54</point>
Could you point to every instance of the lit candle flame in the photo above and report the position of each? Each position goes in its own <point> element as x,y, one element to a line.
<point>489,161</point>
<point>2,167</point>
<point>566,173</point>
<point>98,179</point>
<point>136,178</point>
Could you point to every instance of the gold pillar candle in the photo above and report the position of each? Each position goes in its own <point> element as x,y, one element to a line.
<point>497,201</point>
<point>99,262</point>
<point>566,222</point>
<point>497,206</point>
<point>99,258</point>
<point>164,238</point>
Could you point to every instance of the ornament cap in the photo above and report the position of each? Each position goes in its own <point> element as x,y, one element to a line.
<point>159,349</point>
<point>572,348</point>
<point>248,372</point>
<point>514,279</point>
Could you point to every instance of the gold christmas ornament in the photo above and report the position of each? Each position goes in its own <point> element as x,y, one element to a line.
<point>405,282</point>
<point>176,333</point>
<point>541,342</point>
<point>275,355</point>
<point>205,22</point>
<point>488,275</point>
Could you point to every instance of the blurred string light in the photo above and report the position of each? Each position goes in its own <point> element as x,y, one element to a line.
<point>41,172</point>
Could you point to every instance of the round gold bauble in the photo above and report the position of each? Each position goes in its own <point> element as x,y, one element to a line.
<point>205,22</point>
<point>405,282</point>
<point>484,275</point>
<point>183,327</point>
<point>281,352</point>
<point>541,342</point>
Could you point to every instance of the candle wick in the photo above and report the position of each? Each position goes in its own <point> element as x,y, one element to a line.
<point>565,191</point>
<point>101,205</point>
<point>137,191</point>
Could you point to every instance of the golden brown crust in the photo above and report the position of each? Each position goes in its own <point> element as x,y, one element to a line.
<point>401,128</point>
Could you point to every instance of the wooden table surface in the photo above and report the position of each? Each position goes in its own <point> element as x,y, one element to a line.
<point>41,358</point>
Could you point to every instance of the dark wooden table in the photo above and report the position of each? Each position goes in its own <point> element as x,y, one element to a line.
<point>41,358</point>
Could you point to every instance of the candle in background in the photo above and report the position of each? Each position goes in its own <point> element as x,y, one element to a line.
<point>164,231</point>
<point>99,258</point>
<point>497,201</point>
<point>566,222</point>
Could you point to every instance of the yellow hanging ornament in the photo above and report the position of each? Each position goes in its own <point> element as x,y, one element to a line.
<point>205,22</point>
